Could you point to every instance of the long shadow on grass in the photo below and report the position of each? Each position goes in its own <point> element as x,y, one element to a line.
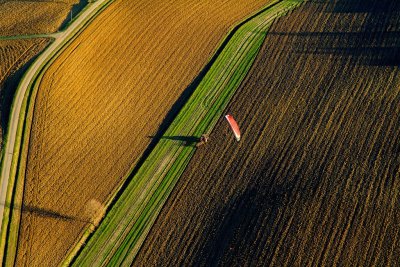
<point>358,6</point>
<point>184,140</point>
<point>364,6</point>
<point>173,112</point>
<point>368,48</point>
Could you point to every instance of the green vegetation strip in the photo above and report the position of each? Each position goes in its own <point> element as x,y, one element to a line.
<point>13,200</point>
<point>123,230</point>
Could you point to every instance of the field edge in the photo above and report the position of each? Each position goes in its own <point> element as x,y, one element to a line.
<point>12,212</point>
<point>180,158</point>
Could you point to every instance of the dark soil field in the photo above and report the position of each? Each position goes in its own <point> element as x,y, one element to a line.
<point>99,102</point>
<point>315,179</point>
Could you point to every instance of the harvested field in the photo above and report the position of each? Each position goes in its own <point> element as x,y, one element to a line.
<point>99,103</point>
<point>13,55</point>
<point>33,17</point>
<point>315,179</point>
<point>127,223</point>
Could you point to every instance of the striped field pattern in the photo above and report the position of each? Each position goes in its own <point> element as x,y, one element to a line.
<point>13,55</point>
<point>122,232</point>
<point>99,104</point>
<point>33,17</point>
<point>315,179</point>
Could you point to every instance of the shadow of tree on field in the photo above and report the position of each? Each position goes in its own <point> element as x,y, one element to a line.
<point>375,43</point>
<point>45,213</point>
<point>364,6</point>
<point>76,9</point>
<point>235,226</point>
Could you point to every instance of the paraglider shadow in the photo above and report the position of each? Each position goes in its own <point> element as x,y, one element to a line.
<point>184,140</point>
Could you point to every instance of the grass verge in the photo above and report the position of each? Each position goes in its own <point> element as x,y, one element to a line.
<point>14,196</point>
<point>123,230</point>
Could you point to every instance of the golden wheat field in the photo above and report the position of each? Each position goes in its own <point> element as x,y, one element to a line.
<point>99,104</point>
<point>13,55</point>
<point>24,18</point>
<point>33,17</point>
<point>315,180</point>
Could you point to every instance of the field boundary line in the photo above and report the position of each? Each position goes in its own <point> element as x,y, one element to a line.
<point>126,224</point>
<point>17,136</point>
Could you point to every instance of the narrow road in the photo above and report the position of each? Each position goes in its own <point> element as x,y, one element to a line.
<point>60,39</point>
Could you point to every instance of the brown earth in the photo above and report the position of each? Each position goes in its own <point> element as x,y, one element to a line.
<point>14,54</point>
<point>99,103</point>
<point>315,180</point>
<point>24,18</point>
<point>33,17</point>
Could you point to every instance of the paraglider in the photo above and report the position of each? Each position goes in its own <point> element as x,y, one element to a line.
<point>234,126</point>
<point>203,140</point>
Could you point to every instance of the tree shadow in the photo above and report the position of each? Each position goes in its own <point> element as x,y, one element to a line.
<point>75,10</point>
<point>368,48</point>
<point>235,227</point>
<point>185,140</point>
<point>7,93</point>
<point>45,213</point>
<point>364,6</point>
<point>376,42</point>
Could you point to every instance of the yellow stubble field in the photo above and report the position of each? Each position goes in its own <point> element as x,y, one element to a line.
<point>33,17</point>
<point>98,104</point>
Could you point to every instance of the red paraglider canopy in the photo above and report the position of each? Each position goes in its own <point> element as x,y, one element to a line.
<point>234,126</point>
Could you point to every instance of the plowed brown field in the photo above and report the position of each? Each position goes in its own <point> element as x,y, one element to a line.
<point>99,103</point>
<point>33,17</point>
<point>315,180</point>
<point>13,55</point>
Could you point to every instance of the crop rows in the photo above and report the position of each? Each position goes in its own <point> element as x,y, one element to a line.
<point>98,104</point>
<point>32,17</point>
<point>315,178</point>
<point>127,224</point>
<point>13,55</point>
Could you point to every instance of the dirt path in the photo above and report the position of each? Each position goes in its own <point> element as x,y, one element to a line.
<point>60,39</point>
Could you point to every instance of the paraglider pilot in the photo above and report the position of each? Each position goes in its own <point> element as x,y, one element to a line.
<point>203,140</point>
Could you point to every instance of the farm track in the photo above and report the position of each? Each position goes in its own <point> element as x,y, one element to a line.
<point>14,150</point>
<point>13,55</point>
<point>315,179</point>
<point>33,20</point>
<point>98,104</point>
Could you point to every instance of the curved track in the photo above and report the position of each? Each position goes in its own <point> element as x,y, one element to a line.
<point>11,151</point>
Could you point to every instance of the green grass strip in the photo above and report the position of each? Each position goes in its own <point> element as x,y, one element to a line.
<point>13,201</point>
<point>125,227</point>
